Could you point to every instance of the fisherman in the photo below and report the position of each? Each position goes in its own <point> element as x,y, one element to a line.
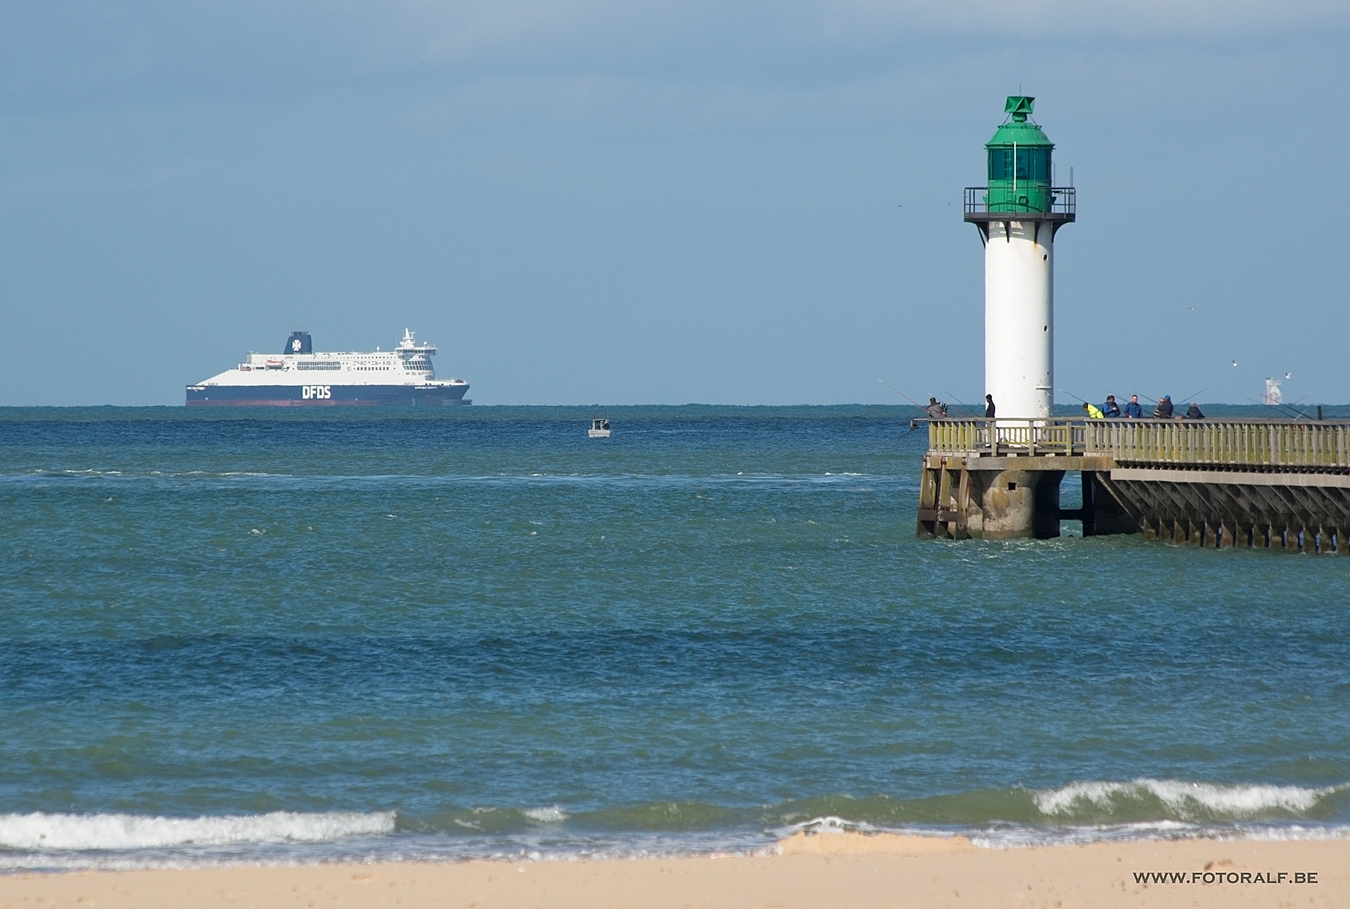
<point>1193,412</point>
<point>1093,411</point>
<point>936,409</point>
<point>989,407</point>
<point>1164,409</point>
<point>1111,408</point>
<point>1133,410</point>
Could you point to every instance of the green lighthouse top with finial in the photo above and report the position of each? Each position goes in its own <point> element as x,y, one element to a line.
<point>1019,162</point>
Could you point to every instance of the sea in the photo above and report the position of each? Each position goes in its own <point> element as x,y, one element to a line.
<point>291,637</point>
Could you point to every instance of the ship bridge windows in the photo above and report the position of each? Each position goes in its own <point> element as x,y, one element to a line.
<point>1032,164</point>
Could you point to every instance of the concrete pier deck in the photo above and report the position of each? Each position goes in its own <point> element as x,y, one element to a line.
<point>1253,483</point>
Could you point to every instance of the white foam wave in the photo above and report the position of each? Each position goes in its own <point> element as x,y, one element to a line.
<point>80,832</point>
<point>553,814</point>
<point>1015,837</point>
<point>1185,799</point>
<point>826,824</point>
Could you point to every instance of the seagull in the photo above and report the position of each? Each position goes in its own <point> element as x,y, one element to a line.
<point>1286,375</point>
<point>1235,362</point>
<point>1190,309</point>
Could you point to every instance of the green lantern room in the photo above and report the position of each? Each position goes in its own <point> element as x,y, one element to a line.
<point>1019,162</point>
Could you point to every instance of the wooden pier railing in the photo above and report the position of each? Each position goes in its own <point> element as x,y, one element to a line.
<point>1284,444</point>
<point>998,437</point>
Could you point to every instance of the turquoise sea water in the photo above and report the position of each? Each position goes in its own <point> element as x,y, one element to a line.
<point>287,637</point>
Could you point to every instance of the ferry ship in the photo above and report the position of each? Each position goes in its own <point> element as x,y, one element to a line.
<point>300,377</point>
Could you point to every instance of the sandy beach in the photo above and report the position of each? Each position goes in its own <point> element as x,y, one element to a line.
<point>845,870</point>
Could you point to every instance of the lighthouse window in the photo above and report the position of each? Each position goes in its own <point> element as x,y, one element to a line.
<point>1000,163</point>
<point>1032,164</point>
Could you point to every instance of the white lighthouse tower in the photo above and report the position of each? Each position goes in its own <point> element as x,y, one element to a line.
<point>1018,213</point>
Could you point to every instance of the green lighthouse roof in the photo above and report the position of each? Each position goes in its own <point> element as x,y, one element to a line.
<point>1018,129</point>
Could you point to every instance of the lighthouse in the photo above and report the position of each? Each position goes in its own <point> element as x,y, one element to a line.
<point>1018,213</point>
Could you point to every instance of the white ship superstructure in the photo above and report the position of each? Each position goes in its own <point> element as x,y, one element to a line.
<point>300,376</point>
<point>1272,394</point>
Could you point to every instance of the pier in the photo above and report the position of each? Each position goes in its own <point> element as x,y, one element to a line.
<point>1270,484</point>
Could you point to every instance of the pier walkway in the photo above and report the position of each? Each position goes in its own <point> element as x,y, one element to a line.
<point>1253,483</point>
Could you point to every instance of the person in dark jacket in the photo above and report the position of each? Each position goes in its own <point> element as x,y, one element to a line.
<point>989,407</point>
<point>1111,408</point>
<point>1164,409</point>
<point>1133,410</point>
<point>936,409</point>
<point>1193,412</point>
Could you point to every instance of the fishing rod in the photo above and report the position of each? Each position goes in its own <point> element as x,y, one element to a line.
<point>1285,410</point>
<point>1302,414</point>
<point>966,407</point>
<point>1282,409</point>
<point>922,407</point>
<point>1185,399</point>
<point>914,423</point>
<point>902,394</point>
<point>1084,400</point>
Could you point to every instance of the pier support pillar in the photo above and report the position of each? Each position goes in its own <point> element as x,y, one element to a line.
<point>1019,503</point>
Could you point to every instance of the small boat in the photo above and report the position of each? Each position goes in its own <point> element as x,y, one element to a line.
<point>599,428</point>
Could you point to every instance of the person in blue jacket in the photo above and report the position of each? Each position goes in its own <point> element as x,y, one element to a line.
<point>1193,412</point>
<point>1111,408</point>
<point>1134,410</point>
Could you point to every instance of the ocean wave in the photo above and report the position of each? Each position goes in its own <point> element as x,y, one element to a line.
<point>552,833</point>
<point>1180,800</point>
<point>40,831</point>
<point>1019,836</point>
<point>826,824</point>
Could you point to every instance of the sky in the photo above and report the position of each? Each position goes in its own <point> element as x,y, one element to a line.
<point>602,202</point>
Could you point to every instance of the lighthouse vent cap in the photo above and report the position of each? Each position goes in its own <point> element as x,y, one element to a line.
<point>1019,106</point>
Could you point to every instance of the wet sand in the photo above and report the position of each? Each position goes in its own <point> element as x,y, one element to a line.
<point>829,870</point>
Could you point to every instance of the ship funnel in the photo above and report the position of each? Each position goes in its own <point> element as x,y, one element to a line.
<point>298,343</point>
